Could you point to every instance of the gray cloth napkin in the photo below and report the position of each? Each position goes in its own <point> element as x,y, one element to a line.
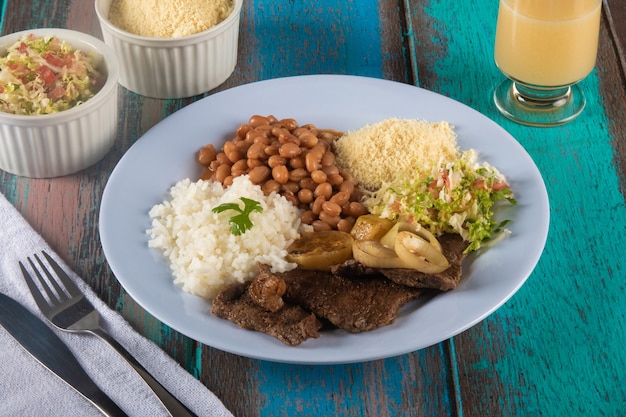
<point>27,388</point>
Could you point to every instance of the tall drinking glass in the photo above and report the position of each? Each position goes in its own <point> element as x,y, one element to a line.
<point>545,47</point>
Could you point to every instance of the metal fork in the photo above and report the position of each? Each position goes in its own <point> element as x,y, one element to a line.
<point>68,309</point>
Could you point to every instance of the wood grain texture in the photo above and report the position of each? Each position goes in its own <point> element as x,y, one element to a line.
<point>532,356</point>
<point>555,348</point>
<point>614,11</point>
<point>65,210</point>
<point>612,61</point>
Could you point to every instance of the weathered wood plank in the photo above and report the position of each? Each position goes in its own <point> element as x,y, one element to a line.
<point>65,210</point>
<point>540,353</point>
<point>280,39</point>
<point>345,39</point>
<point>614,12</point>
<point>554,348</point>
<point>612,62</point>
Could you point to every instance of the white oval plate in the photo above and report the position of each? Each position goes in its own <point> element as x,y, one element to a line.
<point>166,154</point>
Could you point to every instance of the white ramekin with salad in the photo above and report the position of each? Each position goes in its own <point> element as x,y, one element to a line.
<point>58,101</point>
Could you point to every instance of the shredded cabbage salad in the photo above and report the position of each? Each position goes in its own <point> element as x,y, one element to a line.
<point>448,196</point>
<point>43,75</point>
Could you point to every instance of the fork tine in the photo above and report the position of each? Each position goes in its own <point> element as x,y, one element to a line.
<point>70,286</point>
<point>34,290</point>
<point>51,281</point>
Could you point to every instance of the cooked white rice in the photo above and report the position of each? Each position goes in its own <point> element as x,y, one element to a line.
<point>202,252</point>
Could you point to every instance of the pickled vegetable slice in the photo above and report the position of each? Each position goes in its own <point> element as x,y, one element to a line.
<point>374,254</point>
<point>417,253</point>
<point>370,227</point>
<point>389,239</point>
<point>320,250</point>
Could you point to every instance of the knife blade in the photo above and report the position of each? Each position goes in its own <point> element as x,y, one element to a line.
<point>45,346</point>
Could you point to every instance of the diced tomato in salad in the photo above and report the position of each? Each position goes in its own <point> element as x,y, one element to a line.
<point>456,196</point>
<point>43,75</point>
<point>47,75</point>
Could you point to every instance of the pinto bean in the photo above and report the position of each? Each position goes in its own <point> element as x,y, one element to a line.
<point>257,151</point>
<point>289,124</point>
<point>335,180</point>
<point>298,174</point>
<point>308,183</point>
<point>280,174</point>
<point>305,196</point>
<point>346,224</point>
<point>331,209</point>
<point>240,165</point>
<point>276,160</point>
<point>259,174</point>
<point>319,176</point>
<point>294,161</point>
<point>233,154</point>
<point>324,189</point>
<point>346,186</point>
<point>287,137</point>
<point>320,226</point>
<point>242,145</point>
<point>291,197</point>
<point>222,159</point>
<point>270,186</point>
<point>206,155</point>
<point>289,150</point>
<point>222,172</point>
<point>242,130</point>
<point>328,159</point>
<point>253,163</point>
<point>356,209</point>
<point>291,186</point>
<point>257,120</point>
<point>308,139</point>
<point>308,217</point>
<point>316,207</point>
<point>330,220</point>
<point>271,149</point>
<point>228,181</point>
<point>340,198</point>
<point>312,161</point>
<point>330,170</point>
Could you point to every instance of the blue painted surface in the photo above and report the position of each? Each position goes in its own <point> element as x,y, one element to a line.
<point>345,388</point>
<point>541,370</point>
<point>3,10</point>
<point>555,319</point>
<point>556,348</point>
<point>292,37</point>
<point>344,42</point>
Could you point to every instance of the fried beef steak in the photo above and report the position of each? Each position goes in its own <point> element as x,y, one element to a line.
<point>291,324</point>
<point>354,304</point>
<point>293,305</point>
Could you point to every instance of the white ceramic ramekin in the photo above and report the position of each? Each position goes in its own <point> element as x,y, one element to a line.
<point>53,145</point>
<point>173,67</point>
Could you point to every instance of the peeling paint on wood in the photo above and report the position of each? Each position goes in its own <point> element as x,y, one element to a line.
<point>554,349</point>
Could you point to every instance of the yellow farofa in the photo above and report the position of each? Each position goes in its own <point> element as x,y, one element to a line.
<point>168,18</point>
<point>381,152</point>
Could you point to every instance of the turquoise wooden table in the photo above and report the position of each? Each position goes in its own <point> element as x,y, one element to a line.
<point>557,348</point>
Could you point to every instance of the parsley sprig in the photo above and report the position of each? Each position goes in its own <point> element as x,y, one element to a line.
<point>240,223</point>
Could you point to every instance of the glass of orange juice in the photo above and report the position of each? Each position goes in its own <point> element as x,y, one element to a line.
<point>545,47</point>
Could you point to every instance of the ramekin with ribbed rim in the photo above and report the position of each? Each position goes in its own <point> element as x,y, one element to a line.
<point>57,144</point>
<point>173,67</point>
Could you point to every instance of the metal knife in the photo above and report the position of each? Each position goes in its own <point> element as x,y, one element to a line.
<point>45,346</point>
